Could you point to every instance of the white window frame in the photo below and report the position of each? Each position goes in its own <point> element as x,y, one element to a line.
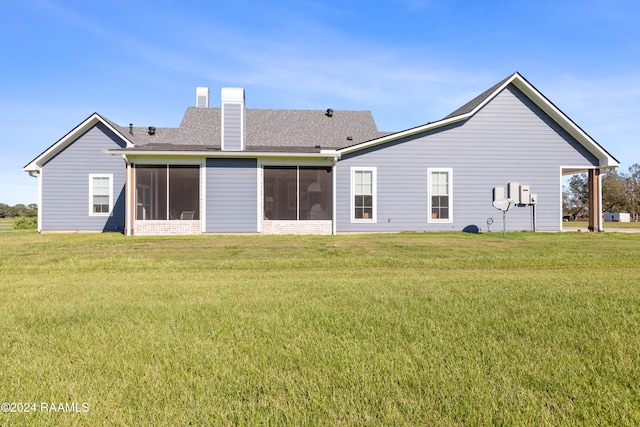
<point>91,188</point>
<point>430,219</point>
<point>374,195</point>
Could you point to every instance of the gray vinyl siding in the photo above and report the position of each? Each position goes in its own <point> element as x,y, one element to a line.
<point>232,138</point>
<point>232,200</point>
<point>508,140</point>
<point>65,184</point>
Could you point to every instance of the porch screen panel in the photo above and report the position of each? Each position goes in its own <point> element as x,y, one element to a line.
<point>184,192</point>
<point>316,193</point>
<point>151,192</point>
<point>280,193</point>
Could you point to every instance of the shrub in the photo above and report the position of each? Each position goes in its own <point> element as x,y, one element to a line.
<point>26,223</point>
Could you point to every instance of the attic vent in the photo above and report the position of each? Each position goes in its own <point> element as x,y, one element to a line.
<point>202,97</point>
<point>152,130</point>
<point>329,112</point>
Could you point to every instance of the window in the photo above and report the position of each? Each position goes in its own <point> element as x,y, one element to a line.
<point>363,195</point>
<point>100,194</point>
<point>298,193</point>
<point>440,200</point>
<point>167,192</point>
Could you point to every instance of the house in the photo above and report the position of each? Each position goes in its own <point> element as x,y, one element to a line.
<point>239,170</point>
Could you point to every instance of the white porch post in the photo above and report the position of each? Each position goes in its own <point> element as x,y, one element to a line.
<point>600,219</point>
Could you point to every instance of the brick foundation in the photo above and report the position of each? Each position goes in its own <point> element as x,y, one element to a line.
<point>297,227</point>
<point>166,228</point>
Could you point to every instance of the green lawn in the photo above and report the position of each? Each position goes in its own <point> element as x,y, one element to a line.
<point>389,329</point>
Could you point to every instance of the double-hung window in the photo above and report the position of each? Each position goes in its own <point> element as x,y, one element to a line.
<point>100,194</point>
<point>440,197</point>
<point>363,194</point>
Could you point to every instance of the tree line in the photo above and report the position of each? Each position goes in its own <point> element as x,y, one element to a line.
<point>18,210</point>
<point>620,193</point>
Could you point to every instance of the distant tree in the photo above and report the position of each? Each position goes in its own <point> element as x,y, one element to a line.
<point>576,196</point>
<point>615,194</point>
<point>620,193</point>
<point>7,211</point>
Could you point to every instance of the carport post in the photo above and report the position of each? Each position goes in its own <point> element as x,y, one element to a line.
<point>595,200</point>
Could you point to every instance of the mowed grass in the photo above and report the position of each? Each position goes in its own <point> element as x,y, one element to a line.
<point>391,329</point>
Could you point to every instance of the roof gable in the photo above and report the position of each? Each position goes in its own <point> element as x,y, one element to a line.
<point>36,164</point>
<point>473,106</point>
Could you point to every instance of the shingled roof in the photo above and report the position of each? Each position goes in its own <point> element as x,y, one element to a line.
<point>266,130</point>
<point>471,105</point>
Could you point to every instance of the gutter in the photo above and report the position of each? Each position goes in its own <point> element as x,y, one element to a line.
<point>324,154</point>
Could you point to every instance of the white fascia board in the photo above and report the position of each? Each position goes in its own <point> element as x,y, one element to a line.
<point>219,154</point>
<point>36,164</point>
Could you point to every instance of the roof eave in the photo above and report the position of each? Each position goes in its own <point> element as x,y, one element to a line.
<point>323,154</point>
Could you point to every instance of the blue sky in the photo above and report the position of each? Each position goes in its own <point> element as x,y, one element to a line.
<point>408,61</point>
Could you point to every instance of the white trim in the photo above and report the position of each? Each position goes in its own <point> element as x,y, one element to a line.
<point>203,195</point>
<point>260,196</point>
<point>335,199</point>
<point>143,161</point>
<point>295,162</point>
<point>127,197</point>
<point>600,217</point>
<point>109,176</point>
<point>577,169</point>
<point>212,154</point>
<point>40,201</point>
<point>374,195</point>
<point>430,219</point>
